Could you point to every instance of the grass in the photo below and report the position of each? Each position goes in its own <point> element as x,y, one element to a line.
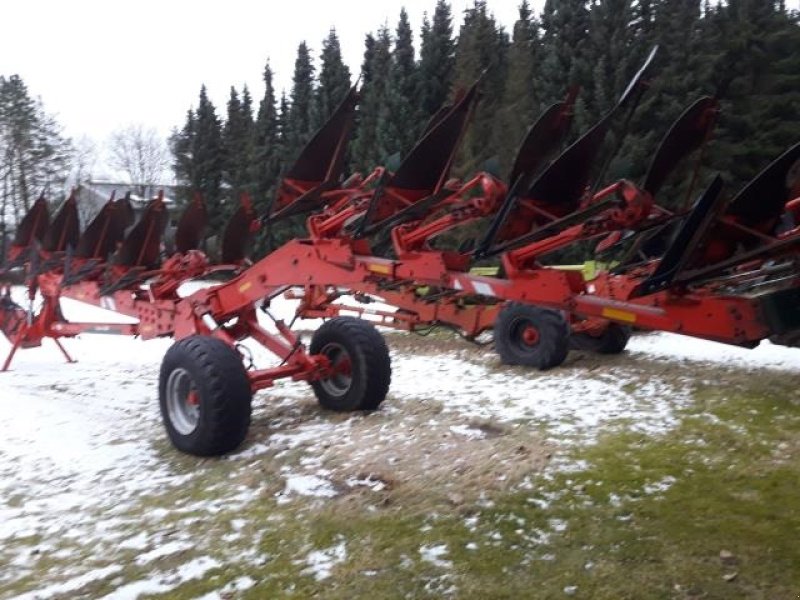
<point>635,517</point>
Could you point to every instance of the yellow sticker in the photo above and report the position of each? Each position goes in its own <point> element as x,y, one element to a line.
<point>385,269</point>
<point>245,286</point>
<point>619,315</point>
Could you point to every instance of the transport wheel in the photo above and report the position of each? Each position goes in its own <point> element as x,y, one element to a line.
<point>205,396</point>
<point>360,359</point>
<point>531,336</point>
<point>790,339</point>
<point>612,341</point>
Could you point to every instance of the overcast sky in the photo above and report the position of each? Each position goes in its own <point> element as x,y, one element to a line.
<point>99,65</point>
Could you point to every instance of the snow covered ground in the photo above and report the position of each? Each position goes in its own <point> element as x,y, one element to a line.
<point>84,460</point>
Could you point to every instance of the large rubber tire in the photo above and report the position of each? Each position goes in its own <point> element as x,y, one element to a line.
<point>364,369</point>
<point>205,396</point>
<point>790,339</point>
<point>612,341</point>
<point>531,336</point>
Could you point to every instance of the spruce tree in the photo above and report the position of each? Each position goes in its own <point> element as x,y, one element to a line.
<point>237,140</point>
<point>367,152</point>
<point>678,77</point>
<point>399,121</point>
<point>34,156</point>
<point>757,79</point>
<point>181,143</point>
<point>334,80</point>
<point>207,161</point>
<point>265,164</point>
<point>520,104</point>
<point>298,126</point>
<point>564,60</point>
<point>437,58</point>
<point>482,46</point>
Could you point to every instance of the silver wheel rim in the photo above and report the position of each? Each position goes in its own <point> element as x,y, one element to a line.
<point>338,384</point>
<point>184,413</point>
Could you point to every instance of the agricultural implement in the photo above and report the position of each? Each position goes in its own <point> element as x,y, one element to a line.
<point>727,273</point>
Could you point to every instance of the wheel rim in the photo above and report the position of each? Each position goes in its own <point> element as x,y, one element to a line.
<point>339,382</point>
<point>524,334</point>
<point>183,402</point>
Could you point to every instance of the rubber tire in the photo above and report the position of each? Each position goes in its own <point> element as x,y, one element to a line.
<point>224,393</point>
<point>790,339</point>
<point>553,344</point>
<point>612,341</point>
<point>371,368</point>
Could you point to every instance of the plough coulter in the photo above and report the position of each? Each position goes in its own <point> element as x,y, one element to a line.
<point>723,269</point>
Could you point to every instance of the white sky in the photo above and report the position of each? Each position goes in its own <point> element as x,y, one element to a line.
<point>99,65</point>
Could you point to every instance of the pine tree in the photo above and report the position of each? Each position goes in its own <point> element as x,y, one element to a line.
<point>34,156</point>
<point>207,161</point>
<point>678,77</point>
<point>617,45</point>
<point>237,141</point>
<point>265,164</point>
<point>298,126</point>
<point>482,46</point>
<point>563,61</point>
<point>437,58</point>
<point>181,143</point>
<point>520,103</point>
<point>334,80</point>
<point>758,81</point>
<point>367,152</point>
<point>399,122</point>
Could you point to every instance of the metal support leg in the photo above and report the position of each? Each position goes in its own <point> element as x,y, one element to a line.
<point>64,351</point>
<point>11,354</point>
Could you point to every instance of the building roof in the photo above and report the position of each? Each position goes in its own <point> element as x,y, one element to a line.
<point>99,191</point>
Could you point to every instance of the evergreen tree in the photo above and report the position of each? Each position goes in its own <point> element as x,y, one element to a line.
<point>617,45</point>
<point>34,156</point>
<point>437,58</point>
<point>520,105</point>
<point>564,60</point>
<point>399,122</point>
<point>298,126</point>
<point>678,77</point>
<point>198,159</point>
<point>334,81</point>
<point>181,143</point>
<point>758,81</point>
<point>482,47</point>
<point>366,149</point>
<point>265,158</point>
<point>237,141</point>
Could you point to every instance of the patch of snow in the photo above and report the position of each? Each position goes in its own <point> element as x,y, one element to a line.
<point>468,432</point>
<point>164,581</point>
<point>658,487</point>
<point>237,585</point>
<point>566,402</point>
<point>376,485</point>
<point>71,585</point>
<point>163,550</point>
<point>321,562</point>
<point>306,485</point>
<point>674,346</point>
<point>434,554</point>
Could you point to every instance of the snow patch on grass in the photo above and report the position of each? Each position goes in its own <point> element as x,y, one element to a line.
<point>321,562</point>
<point>434,555</point>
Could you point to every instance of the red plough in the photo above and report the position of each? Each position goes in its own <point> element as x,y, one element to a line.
<point>726,274</point>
